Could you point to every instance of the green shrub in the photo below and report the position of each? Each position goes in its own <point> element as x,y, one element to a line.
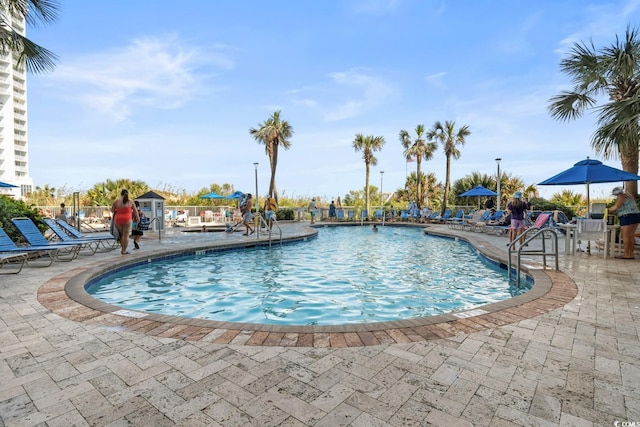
<point>10,208</point>
<point>545,205</point>
<point>285,215</point>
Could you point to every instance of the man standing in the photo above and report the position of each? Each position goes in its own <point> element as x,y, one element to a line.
<point>270,209</point>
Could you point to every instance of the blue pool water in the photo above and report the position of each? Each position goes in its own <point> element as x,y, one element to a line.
<point>346,275</point>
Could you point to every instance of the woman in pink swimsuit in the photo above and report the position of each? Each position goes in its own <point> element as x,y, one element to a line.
<point>124,213</point>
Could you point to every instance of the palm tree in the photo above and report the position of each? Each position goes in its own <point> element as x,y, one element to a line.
<point>273,133</point>
<point>36,58</point>
<point>613,71</point>
<point>368,144</point>
<point>418,148</point>
<point>450,139</point>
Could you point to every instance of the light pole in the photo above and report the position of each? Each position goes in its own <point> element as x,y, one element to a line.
<point>498,181</point>
<point>256,223</point>
<point>381,198</point>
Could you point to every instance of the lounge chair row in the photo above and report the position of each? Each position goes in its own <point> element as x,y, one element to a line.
<point>42,252</point>
<point>487,222</point>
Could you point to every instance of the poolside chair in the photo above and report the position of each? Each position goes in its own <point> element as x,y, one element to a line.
<point>91,244</point>
<point>443,218</point>
<point>499,224</point>
<point>8,247</point>
<point>378,214</point>
<point>597,210</point>
<point>457,220</point>
<point>404,215</point>
<point>467,224</point>
<point>18,259</point>
<point>33,236</point>
<point>106,240</point>
<point>340,213</point>
<point>364,215</point>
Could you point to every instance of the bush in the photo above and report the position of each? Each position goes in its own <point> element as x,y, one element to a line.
<point>544,205</point>
<point>285,215</point>
<point>10,208</point>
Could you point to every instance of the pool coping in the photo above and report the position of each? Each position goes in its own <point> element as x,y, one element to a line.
<point>65,296</point>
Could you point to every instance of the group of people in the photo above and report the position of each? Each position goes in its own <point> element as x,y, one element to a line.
<point>625,207</point>
<point>127,214</point>
<point>270,209</point>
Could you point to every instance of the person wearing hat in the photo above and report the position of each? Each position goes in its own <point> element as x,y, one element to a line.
<point>516,209</point>
<point>270,208</point>
<point>629,216</point>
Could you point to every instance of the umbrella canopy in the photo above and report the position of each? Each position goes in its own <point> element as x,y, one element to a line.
<point>7,185</point>
<point>236,195</point>
<point>590,171</point>
<point>478,190</point>
<point>212,196</point>
<point>587,172</point>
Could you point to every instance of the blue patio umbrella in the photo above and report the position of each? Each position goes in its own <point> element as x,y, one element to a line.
<point>212,196</point>
<point>236,195</point>
<point>7,185</point>
<point>587,172</point>
<point>478,191</point>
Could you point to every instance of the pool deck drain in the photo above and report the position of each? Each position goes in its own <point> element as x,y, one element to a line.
<point>64,295</point>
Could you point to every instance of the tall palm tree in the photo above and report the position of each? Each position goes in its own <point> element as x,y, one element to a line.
<point>418,148</point>
<point>36,58</point>
<point>368,145</point>
<point>613,71</point>
<point>450,139</point>
<point>273,133</point>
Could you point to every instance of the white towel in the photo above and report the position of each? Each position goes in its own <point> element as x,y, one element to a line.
<point>590,225</point>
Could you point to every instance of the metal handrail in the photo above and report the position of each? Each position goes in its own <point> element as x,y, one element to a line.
<point>544,233</point>
<point>159,227</point>
<point>262,221</point>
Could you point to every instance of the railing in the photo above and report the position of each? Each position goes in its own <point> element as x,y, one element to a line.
<point>159,227</point>
<point>263,222</point>
<point>544,233</point>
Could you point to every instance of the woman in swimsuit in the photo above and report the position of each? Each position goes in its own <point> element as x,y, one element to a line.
<point>124,213</point>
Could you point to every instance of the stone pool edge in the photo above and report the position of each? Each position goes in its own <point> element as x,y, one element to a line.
<point>65,296</point>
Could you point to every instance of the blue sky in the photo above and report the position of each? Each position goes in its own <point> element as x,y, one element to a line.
<point>166,92</point>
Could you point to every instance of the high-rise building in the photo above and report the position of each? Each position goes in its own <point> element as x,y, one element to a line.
<point>14,147</point>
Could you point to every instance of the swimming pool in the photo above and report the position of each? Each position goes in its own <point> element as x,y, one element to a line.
<point>347,275</point>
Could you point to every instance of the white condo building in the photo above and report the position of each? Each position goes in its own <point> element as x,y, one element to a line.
<point>14,148</point>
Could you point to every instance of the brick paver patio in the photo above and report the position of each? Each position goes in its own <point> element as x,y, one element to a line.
<point>567,354</point>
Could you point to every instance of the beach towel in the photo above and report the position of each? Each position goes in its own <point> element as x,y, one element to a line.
<point>114,230</point>
<point>590,226</point>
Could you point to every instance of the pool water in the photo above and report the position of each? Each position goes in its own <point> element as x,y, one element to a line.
<point>347,275</point>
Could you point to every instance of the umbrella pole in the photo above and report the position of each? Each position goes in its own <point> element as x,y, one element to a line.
<point>588,217</point>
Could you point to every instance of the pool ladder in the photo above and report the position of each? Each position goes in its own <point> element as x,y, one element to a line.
<point>263,223</point>
<point>528,236</point>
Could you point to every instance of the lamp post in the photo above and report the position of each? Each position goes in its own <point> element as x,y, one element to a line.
<point>498,181</point>
<point>256,223</point>
<point>381,198</point>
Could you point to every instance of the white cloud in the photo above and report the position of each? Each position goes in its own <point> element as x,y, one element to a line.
<point>366,92</point>
<point>437,80</point>
<point>148,73</point>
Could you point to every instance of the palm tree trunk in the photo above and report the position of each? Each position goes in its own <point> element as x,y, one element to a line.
<point>446,186</point>
<point>274,164</point>
<point>629,160</point>
<point>367,188</point>
<point>418,186</point>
